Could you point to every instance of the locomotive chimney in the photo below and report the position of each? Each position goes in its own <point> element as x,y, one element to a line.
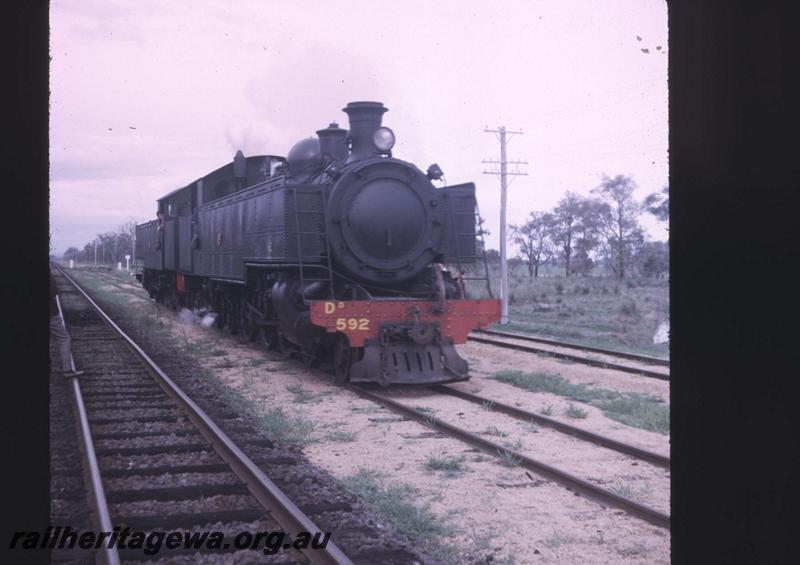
<point>240,169</point>
<point>365,118</point>
<point>333,142</point>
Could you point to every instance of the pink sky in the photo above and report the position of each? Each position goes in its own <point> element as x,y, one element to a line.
<point>147,96</point>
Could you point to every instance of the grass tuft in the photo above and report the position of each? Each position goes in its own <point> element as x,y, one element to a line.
<point>279,426</point>
<point>393,502</point>
<point>301,395</point>
<point>453,465</point>
<point>574,412</point>
<point>493,431</point>
<point>556,539</point>
<point>341,436</point>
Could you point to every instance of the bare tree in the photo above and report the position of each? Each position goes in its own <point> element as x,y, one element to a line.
<point>619,221</point>
<point>533,240</point>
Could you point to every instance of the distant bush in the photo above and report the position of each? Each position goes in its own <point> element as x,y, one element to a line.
<point>628,307</point>
<point>559,288</point>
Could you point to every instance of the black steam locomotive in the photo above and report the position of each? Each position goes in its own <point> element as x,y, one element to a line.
<point>337,250</point>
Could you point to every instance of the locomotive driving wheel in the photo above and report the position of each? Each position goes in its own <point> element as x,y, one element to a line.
<point>342,360</point>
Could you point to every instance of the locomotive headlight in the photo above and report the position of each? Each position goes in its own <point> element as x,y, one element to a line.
<point>383,138</point>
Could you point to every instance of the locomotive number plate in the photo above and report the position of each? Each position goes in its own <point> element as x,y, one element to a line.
<point>352,324</point>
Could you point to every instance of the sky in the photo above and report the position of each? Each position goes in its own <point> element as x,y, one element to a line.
<point>147,96</point>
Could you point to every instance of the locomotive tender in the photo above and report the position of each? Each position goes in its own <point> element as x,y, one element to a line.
<point>336,251</point>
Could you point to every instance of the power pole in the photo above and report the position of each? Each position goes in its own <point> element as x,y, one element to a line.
<point>95,253</point>
<point>502,134</point>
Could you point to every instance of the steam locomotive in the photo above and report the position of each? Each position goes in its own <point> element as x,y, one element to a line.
<point>334,253</point>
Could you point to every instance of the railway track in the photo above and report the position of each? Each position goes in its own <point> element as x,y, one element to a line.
<point>572,482</point>
<point>157,461</point>
<point>566,479</point>
<point>579,433</point>
<point>645,366</point>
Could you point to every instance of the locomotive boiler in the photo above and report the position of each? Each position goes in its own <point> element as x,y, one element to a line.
<point>336,252</point>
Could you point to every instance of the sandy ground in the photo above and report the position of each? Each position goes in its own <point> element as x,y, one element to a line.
<point>506,513</point>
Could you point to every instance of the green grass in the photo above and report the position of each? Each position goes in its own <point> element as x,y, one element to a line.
<point>596,311</point>
<point>507,456</point>
<point>556,539</point>
<point>225,363</point>
<point>341,436</point>
<point>493,431</point>
<point>301,395</point>
<point>280,426</point>
<point>573,411</point>
<point>632,409</point>
<point>630,490</point>
<point>453,465</point>
<point>394,502</point>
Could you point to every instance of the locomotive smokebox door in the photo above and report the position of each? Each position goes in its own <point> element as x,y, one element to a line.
<point>384,222</point>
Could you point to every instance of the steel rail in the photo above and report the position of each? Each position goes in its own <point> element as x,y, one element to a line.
<point>285,512</point>
<point>610,352</point>
<point>559,355</point>
<point>109,555</point>
<point>570,481</point>
<point>627,449</point>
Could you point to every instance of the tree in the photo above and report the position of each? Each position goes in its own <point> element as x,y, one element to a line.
<point>658,204</point>
<point>493,256</point>
<point>533,240</point>
<point>619,221</point>
<point>588,233</point>
<point>562,229</point>
<point>71,253</point>
<point>576,230</point>
<point>652,259</point>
